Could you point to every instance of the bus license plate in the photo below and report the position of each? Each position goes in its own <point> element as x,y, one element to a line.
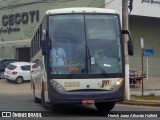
<point>88,101</point>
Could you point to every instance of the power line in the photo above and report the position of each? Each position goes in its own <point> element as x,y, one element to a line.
<point>92,3</point>
<point>32,3</point>
<point>107,3</point>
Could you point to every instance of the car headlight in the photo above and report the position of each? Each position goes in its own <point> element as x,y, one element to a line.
<point>57,86</point>
<point>117,84</point>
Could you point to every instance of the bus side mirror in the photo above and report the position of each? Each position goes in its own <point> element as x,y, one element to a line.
<point>129,42</point>
<point>130,47</point>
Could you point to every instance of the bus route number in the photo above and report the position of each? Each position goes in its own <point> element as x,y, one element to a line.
<point>74,68</point>
<point>71,84</point>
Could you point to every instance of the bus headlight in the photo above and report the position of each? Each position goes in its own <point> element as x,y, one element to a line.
<point>57,86</point>
<point>117,84</point>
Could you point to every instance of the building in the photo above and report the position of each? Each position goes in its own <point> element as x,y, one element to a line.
<point>144,23</point>
<point>19,20</point>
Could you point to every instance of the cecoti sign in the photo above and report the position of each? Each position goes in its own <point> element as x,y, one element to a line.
<point>20,18</point>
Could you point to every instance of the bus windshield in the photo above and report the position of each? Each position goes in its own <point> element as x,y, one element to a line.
<point>84,44</point>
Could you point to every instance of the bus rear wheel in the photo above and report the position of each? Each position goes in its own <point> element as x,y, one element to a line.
<point>47,105</point>
<point>36,100</point>
<point>105,107</point>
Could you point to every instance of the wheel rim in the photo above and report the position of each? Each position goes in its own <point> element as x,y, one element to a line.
<point>19,80</point>
<point>1,75</point>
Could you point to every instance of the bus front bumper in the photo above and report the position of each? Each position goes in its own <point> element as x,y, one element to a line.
<point>80,96</point>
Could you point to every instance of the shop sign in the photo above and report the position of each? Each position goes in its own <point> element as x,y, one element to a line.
<point>151,1</point>
<point>8,21</point>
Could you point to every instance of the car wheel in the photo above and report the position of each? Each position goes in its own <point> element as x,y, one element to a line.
<point>105,107</point>
<point>1,75</point>
<point>19,80</point>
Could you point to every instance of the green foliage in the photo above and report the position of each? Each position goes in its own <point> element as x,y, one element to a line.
<point>150,96</point>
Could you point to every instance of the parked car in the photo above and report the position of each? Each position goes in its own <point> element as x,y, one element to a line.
<point>136,75</point>
<point>3,64</point>
<point>18,72</point>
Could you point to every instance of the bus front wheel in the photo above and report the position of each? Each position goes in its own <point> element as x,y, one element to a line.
<point>47,105</point>
<point>105,107</point>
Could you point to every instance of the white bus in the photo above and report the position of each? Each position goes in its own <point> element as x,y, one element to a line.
<point>79,58</point>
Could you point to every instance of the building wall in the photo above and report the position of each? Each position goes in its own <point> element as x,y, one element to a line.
<point>10,41</point>
<point>144,22</point>
<point>147,28</point>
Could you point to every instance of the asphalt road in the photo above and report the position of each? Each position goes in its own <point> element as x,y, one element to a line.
<point>22,103</point>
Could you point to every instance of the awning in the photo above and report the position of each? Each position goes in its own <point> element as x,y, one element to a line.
<point>15,43</point>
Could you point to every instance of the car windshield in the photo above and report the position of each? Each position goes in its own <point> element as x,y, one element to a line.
<point>85,44</point>
<point>11,67</point>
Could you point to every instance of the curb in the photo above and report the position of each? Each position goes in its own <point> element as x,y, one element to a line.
<point>141,102</point>
<point>16,93</point>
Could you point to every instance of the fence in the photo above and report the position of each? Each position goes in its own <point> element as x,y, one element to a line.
<point>151,65</point>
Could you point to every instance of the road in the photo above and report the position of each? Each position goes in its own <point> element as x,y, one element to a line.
<point>25,103</point>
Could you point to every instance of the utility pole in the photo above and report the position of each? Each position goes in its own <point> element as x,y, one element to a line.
<point>125,38</point>
<point>142,47</point>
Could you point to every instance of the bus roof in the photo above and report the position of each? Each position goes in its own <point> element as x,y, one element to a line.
<point>81,10</point>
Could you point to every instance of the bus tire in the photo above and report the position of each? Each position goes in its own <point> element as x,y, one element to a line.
<point>37,100</point>
<point>47,105</point>
<point>105,107</point>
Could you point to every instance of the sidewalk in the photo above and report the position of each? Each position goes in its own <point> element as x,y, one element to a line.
<point>151,85</point>
<point>8,87</point>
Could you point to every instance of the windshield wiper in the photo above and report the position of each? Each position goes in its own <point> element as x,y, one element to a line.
<point>88,57</point>
<point>90,64</point>
<point>80,64</point>
<point>102,70</point>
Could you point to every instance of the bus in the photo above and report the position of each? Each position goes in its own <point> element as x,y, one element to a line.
<point>78,56</point>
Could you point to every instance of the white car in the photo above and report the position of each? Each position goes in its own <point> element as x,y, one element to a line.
<point>18,72</point>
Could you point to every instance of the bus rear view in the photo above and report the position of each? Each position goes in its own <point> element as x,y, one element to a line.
<point>79,59</point>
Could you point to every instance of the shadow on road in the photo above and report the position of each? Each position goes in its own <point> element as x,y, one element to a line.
<point>70,110</point>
